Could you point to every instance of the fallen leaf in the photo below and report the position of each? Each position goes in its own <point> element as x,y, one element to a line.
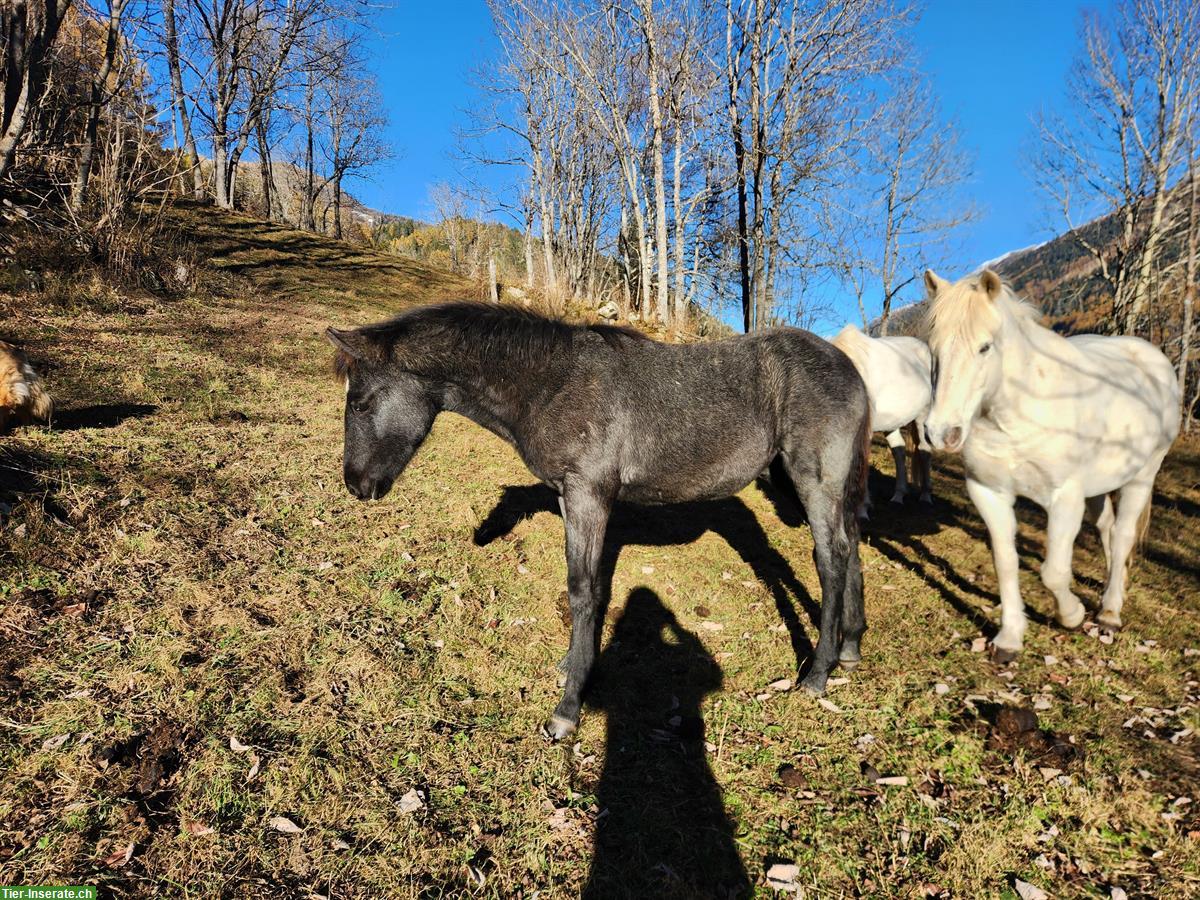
<point>120,857</point>
<point>237,746</point>
<point>783,684</point>
<point>941,688</point>
<point>255,764</point>
<point>1117,893</point>
<point>197,828</point>
<point>285,825</point>
<point>979,645</point>
<point>893,780</point>
<point>412,801</point>
<point>55,742</point>
<point>1048,773</point>
<point>829,705</point>
<point>1027,891</point>
<point>339,844</point>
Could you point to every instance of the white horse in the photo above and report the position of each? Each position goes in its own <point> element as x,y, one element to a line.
<point>1070,423</point>
<point>896,371</point>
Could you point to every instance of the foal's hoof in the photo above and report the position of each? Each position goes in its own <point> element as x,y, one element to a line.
<point>556,728</point>
<point>814,685</point>
<point>1002,657</point>
<point>897,501</point>
<point>1109,619</point>
<point>927,501</point>
<point>849,660</point>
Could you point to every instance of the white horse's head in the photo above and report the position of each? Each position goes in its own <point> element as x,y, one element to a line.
<point>965,333</point>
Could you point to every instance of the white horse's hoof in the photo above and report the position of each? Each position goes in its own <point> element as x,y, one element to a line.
<point>557,728</point>
<point>1002,656</point>
<point>1071,621</point>
<point>1109,619</point>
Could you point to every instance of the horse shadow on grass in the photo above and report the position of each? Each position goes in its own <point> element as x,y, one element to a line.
<point>675,524</point>
<point>100,415</point>
<point>662,830</point>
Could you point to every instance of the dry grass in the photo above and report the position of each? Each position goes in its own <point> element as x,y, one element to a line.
<point>181,566</point>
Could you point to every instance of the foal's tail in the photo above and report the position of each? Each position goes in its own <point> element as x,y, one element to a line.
<point>855,489</point>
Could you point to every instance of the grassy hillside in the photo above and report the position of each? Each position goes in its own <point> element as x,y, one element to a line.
<point>221,676</point>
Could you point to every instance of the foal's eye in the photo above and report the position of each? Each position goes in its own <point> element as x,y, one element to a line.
<point>985,348</point>
<point>360,406</point>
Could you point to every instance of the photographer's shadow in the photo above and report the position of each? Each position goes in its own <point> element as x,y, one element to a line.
<point>662,830</point>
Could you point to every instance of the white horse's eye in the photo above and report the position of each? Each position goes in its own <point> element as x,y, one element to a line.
<point>985,348</point>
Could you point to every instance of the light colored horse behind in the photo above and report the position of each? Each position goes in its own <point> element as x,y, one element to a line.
<point>896,371</point>
<point>1071,423</point>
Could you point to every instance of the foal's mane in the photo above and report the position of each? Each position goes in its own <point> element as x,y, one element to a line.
<point>964,311</point>
<point>433,337</point>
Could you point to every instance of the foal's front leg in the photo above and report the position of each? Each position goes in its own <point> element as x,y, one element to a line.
<point>996,508</point>
<point>585,517</point>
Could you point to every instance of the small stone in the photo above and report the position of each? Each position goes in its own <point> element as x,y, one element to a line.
<point>941,688</point>
<point>1027,891</point>
<point>782,876</point>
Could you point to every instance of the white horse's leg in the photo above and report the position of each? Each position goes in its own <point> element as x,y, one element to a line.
<point>895,440</point>
<point>1065,515</point>
<point>996,508</point>
<point>1132,502</point>
<point>1100,511</point>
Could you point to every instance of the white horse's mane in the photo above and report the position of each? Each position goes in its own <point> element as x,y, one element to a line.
<point>964,311</point>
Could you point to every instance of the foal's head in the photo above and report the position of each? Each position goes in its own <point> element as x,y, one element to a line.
<point>964,336</point>
<point>389,411</point>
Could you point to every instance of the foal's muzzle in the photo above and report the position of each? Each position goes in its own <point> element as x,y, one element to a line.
<point>365,487</point>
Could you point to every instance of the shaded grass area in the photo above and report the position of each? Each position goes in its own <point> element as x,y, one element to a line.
<point>180,566</point>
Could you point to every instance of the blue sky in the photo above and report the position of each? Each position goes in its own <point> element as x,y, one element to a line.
<point>993,65</point>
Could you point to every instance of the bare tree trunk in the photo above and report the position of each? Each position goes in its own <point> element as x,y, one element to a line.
<point>100,88</point>
<point>680,243</point>
<point>1189,288</point>
<point>266,167</point>
<point>179,99</point>
<point>649,32</point>
<point>733,78</point>
<point>493,288</point>
<point>337,206</point>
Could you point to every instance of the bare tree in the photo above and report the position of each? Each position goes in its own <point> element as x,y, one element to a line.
<point>914,168</point>
<point>28,29</point>
<point>1132,96</point>
<point>102,89</point>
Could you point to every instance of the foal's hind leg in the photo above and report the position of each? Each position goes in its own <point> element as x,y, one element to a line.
<point>1064,518</point>
<point>854,615</point>
<point>821,495</point>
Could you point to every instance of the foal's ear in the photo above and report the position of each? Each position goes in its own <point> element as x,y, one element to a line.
<point>990,282</point>
<point>934,283</point>
<point>350,341</point>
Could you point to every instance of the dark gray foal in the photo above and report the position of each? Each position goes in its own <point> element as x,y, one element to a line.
<point>602,414</point>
